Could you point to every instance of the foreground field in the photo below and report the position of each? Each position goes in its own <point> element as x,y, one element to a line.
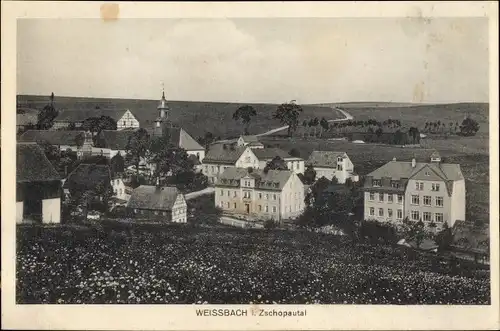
<point>219,265</point>
<point>197,117</point>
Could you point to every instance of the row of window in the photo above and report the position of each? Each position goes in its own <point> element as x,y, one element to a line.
<point>228,206</point>
<point>415,215</point>
<point>419,186</point>
<point>390,197</point>
<point>378,183</point>
<point>247,194</point>
<point>427,201</point>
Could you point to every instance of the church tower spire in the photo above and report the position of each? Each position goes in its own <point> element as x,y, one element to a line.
<point>163,108</point>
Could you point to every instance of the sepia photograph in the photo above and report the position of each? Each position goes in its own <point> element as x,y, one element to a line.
<point>260,161</point>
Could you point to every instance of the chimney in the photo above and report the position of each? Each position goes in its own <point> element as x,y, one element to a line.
<point>394,158</point>
<point>413,163</point>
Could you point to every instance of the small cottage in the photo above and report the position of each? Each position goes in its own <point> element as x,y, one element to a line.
<point>165,204</point>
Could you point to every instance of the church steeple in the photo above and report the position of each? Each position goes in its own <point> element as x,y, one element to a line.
<point>163,106</point>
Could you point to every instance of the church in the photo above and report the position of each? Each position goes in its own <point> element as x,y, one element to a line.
<point>179,137</point>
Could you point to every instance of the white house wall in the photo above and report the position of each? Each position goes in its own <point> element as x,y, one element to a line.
<point>51,210</point>
<point>179,210</point>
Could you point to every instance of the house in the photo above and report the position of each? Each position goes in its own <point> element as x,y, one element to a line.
<point>250,141</point>
<point>89,177</point>
<point>221,157</point>
<point>124,118</point>
<point>295,164</point>
<point>328,164</point>
<point>432,192</point>
<point>256,194</point>
<point>38,186</point>
<point>77,141</point>
<point>166,204</point>
<point>121,188</point>
<point>177,135</point>
<point>26,118</point>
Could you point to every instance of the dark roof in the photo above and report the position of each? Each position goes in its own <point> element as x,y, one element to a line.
<point>273,179</point>
<point>179,137</point>
<point>88,176</point>
<point>229,155</point>
<point>52,137</point>
<point>82,114</point>
<point>271,153</point>
<point>153,198</point>
<point>325,159</point>
<point>250,139</point>
<point>398,169</point>
<point>116,140</point>
<point>32,165</point>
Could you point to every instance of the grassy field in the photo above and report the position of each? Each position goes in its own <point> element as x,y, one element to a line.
<point>183,264</point>
<point>195,116</point>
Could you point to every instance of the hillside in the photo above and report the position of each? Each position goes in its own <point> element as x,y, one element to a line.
<point>197,117</point>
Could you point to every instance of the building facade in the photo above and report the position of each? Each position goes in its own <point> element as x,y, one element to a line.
<point>124,118</point>
<point>329,164</point>
<point>265,155</point>
<point>38,186</point>
<point>432,192</point>
<point>163,204</point>
<point>274,195</point>
<point>222,157</point>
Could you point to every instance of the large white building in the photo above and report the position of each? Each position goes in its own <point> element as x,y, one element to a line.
<point>431,192</point>
<point>255,194</point>
<point>329,164</point>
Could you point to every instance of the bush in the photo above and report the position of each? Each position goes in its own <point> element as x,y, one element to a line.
<point>270,224</point>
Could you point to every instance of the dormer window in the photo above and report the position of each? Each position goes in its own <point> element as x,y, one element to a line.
<point>395,184</point>
<point>377,182</point>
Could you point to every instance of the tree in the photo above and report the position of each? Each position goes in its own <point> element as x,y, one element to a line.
<point>79,140</point>
<point>288,113</point>
<point>117,164</point>
<point>304,125</point>
<point>47,115</point>
<point>137,147</point>
<point>315,123</point>
<point>277,163</point>
<point>469,127</point>
<point>309,175</point>
<point>324,125</point>
<point>414,231</point>
<point>294,152</point>
<point>97,124</point>
<point>245,114</point>
<point>444,238</point>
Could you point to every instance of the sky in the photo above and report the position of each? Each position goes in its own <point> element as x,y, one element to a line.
<point>257,60</point>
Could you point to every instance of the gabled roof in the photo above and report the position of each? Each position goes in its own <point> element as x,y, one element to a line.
<point>82,114</point>
<point>26,118</point>
<point>398,169</point>
<point>250,139</point>
<point>88,176</point>
<point>219,154</point>
<point>179,137</point>
<point>63,137</point>
<point>153,198</point>
<point>32,165</point>
<point>273,179</point>
<point>116,140</point>
<point>271,153</point>
<point>325,159</point>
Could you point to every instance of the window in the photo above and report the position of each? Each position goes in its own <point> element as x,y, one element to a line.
<point>380,212</point>
<point>439,217</point>
<point>389,213</point>
<point>222,204</point>
<point>400,214</point>
<point>435,187</point>
<point>427,200</point>
<point>213,168</point>
<point>415,200</point>
<point>228,205</point>
<point>419,186</point>
<point>376,182</point>
<point>221,193</point>
<point>267,209</point>
<point>427,216</point>
<point>267,196</point>
<point>124,123</point>
<point>381,197</point>
<point>372,196</point>
<point>394,184</point>
<point>372,211</point>
<point>274,209</point>
<point>400,198</point>
<point>427,173</point>
<point>235,194</point>
<point>439,201</point>
<point>339,166</point>
<point>274,196</point>
<point>389,198</point>
<point>234,205</point>
<point>260,207</point>
<point>415,215</point>
<point>260,195</point>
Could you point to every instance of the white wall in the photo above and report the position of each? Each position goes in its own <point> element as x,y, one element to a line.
<point>19,211</point>
<point>179,210</point>
<point>458,202</point>
<point>51,210</point>
<point>128,120</point>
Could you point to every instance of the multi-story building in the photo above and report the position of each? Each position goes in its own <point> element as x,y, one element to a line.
<point>124,118</point>
<point>329,164</point>
<point>221,157</point>
<point>295,164</point>
<point>255,194</point>
<point>432,192</point>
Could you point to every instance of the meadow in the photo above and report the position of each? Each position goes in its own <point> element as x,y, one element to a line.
<point>182,264</point>
<point>196,117</point>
